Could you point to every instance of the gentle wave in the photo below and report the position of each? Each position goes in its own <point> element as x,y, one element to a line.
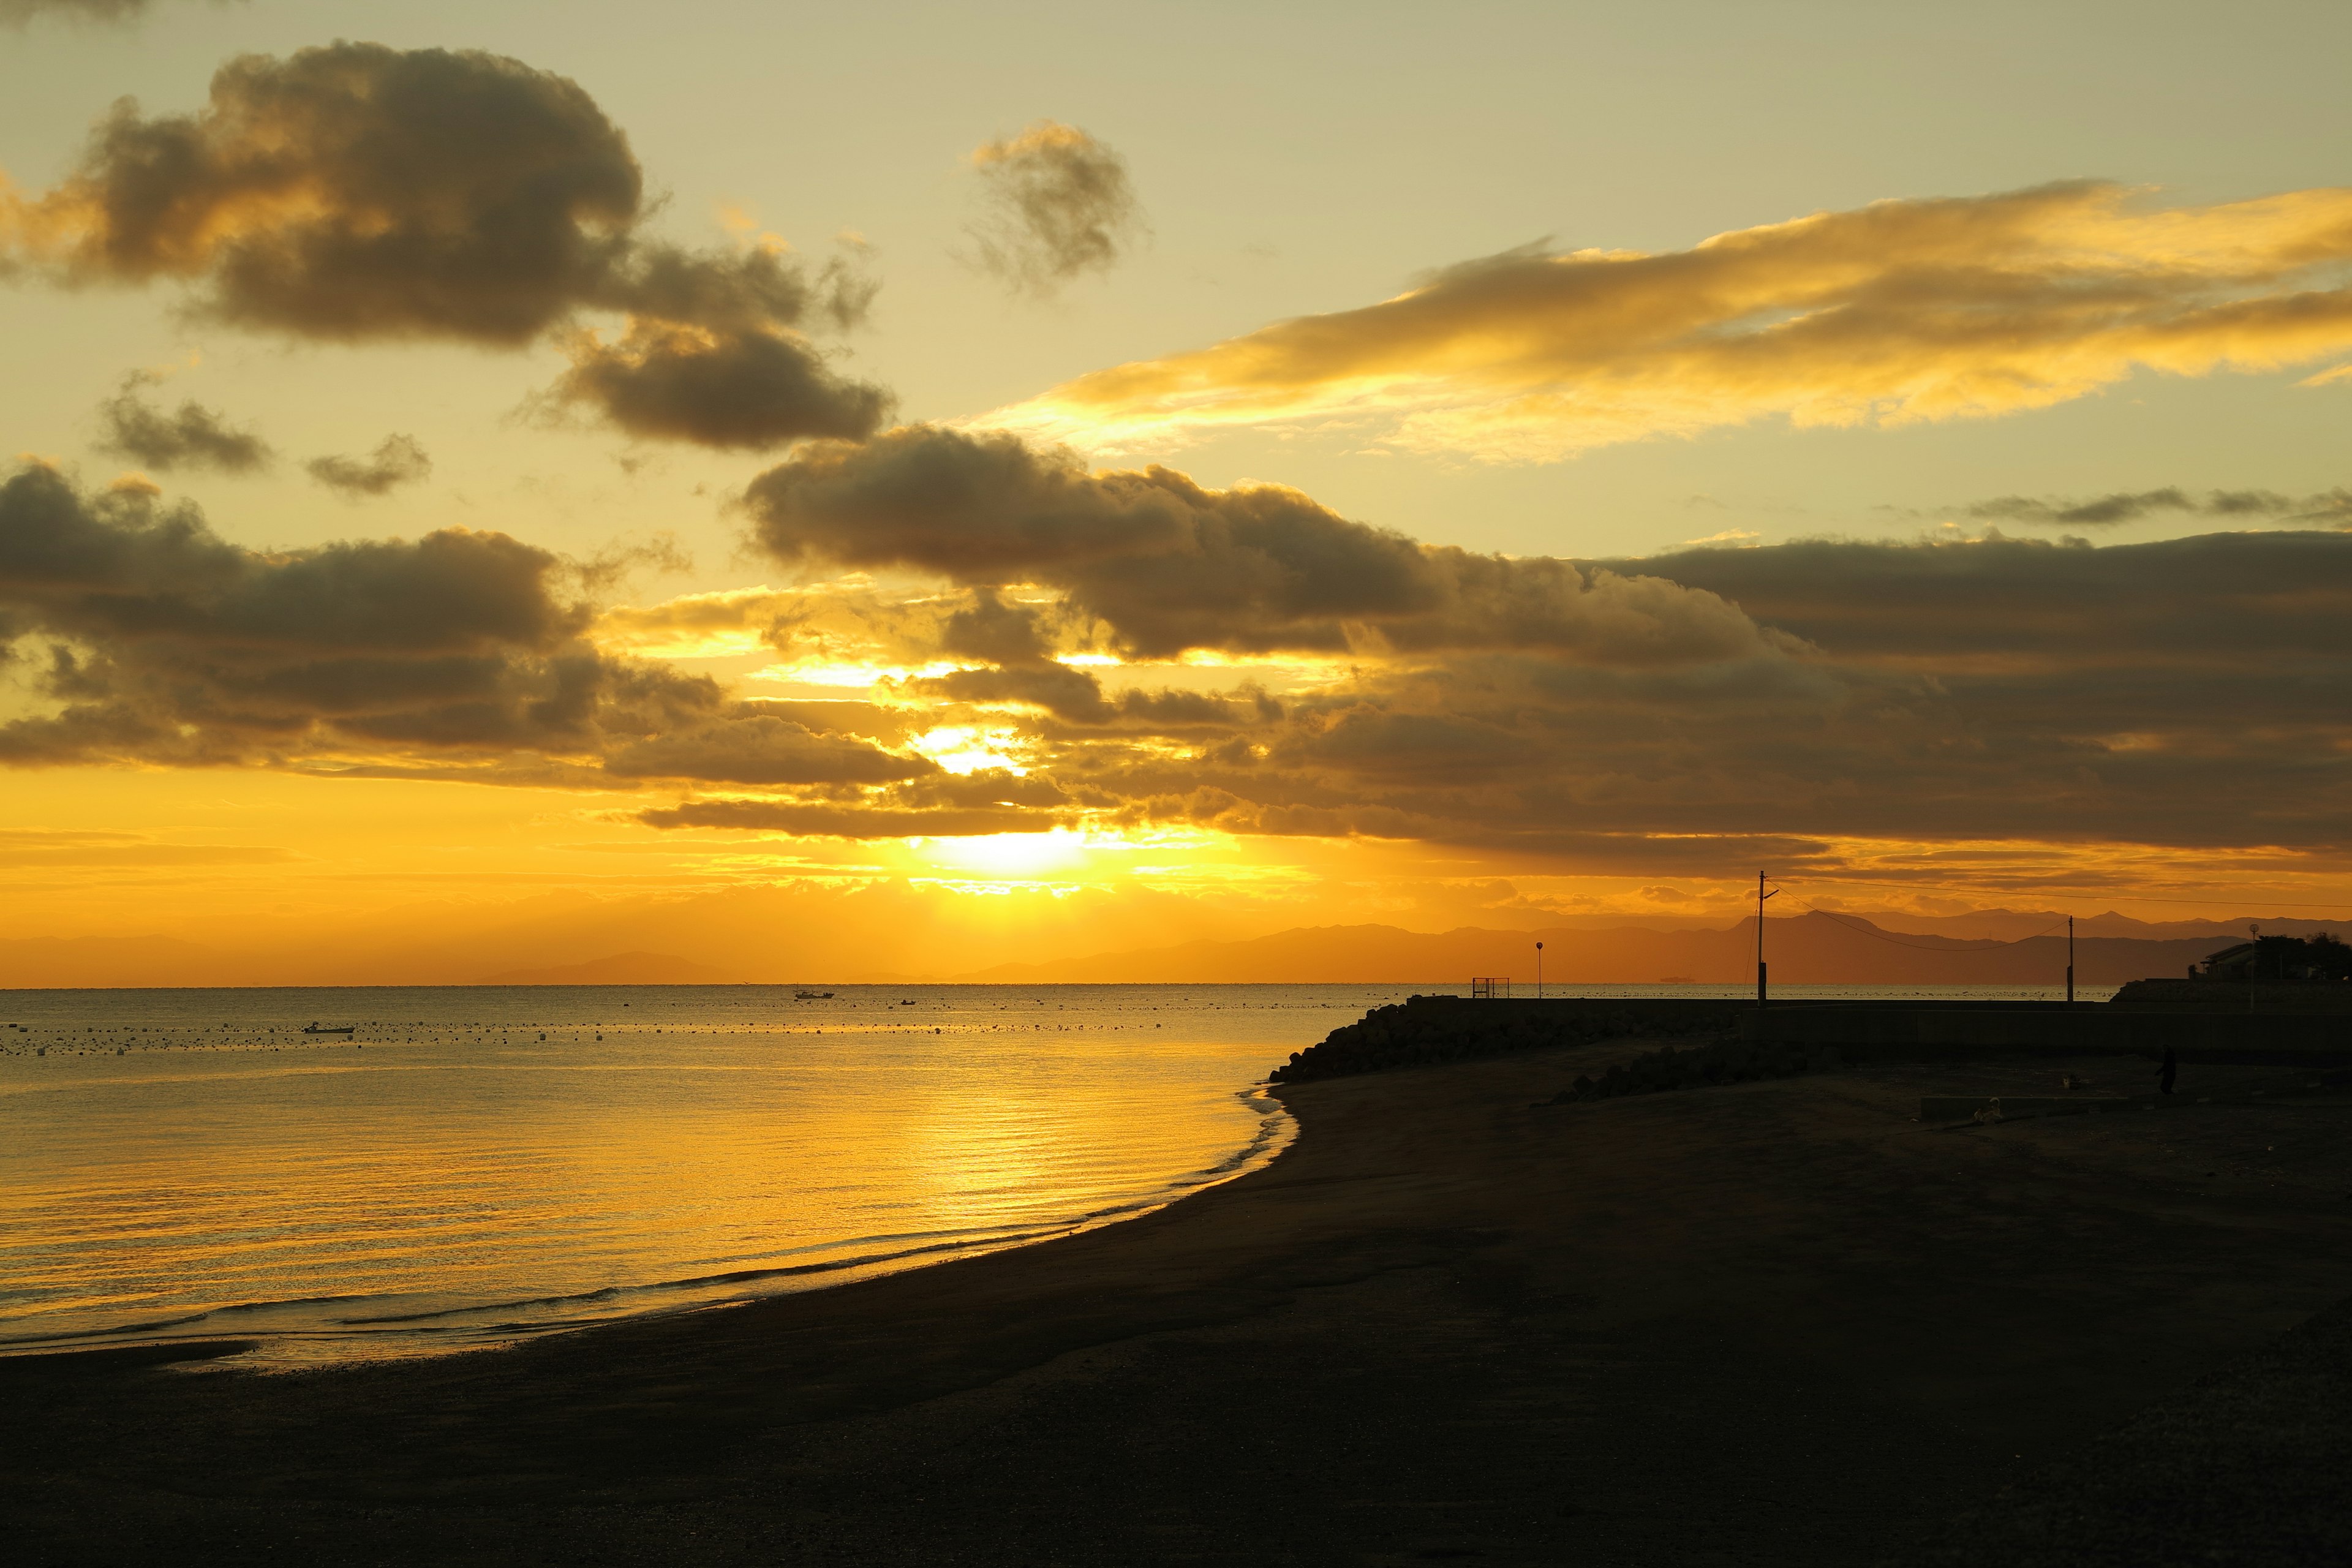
<point>498,1166</point>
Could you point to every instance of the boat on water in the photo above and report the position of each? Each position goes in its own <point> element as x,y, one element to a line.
<point>318,1028</point>
<point>812,995</point>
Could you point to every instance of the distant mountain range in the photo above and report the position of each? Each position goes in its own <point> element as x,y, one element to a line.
<point>1808,950</point>
<point>794,936</point>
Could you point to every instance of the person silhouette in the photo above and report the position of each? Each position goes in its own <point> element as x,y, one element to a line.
<point>2164,1074</point>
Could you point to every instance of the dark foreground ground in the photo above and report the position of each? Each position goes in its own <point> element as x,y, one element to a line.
<point>1772,1323</point>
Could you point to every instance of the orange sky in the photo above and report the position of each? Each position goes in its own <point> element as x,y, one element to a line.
<point>450,551</point>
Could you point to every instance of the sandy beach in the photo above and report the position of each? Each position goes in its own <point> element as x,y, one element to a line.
<point>1777,1323</point>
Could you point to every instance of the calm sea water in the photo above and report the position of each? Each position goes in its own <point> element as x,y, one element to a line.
<point>476,1165</point>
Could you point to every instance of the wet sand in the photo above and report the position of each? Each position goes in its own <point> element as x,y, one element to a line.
<point>1769,1324</point>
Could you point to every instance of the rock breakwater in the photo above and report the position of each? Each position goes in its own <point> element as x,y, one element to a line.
<point>1425,1031</point>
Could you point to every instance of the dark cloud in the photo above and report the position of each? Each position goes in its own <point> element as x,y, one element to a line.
<point>356,192</point>
<point>1058,206</point>
<point>762,749</point>
<point>751,389</point>
<point>1780,705</point>
<point>162,642</point>
<point>824,821</point>
<point>1000,633</point>
<point>2227,600</point>
<point>1071,694</point>
<point>397,460</point>
<point>2330,507</point>
<point>2184,693</point>
<point>1168,566</point>
<point>193,436</point>
<point>985,786</point>
<point>752,289</point>
<point>19,11</point>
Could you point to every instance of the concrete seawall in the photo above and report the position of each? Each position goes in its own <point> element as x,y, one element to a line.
<point>1966,1028</point>
<point>1428,1029</point>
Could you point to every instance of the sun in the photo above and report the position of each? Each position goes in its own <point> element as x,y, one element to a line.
<point>1013,856</point>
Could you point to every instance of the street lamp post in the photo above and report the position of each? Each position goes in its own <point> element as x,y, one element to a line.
<point>1760,896</point>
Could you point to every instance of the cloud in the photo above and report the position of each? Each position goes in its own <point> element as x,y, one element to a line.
<point>2332,507</point>
<point>193,437</point>
<point>20,12</point>
<point>1802,704</point>
<point>1167,565</point>
<point>160,642</point>
<point>764,749</point>
<point>1071,694</point>
<point>751,389</point>
<point>357,192</point>
<point>1661,713</point>
<point>823,821</point>
<point>694,626</point>
<point>1058,206</point>
<point>2222,601</point>
<point>397,460</point>
<point>1894,314</point>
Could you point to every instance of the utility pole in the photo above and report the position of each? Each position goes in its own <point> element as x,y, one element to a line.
<point>2070,961</point>
<point>1539,972</point>
<point>1760,896</point>
<point>2253,963</point>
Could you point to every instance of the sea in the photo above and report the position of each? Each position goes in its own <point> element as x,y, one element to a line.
<point>472,1167</point>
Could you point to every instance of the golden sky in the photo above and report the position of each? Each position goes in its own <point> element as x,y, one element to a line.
<point>928,511</point>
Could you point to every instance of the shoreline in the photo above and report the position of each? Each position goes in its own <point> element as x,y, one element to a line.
<point>347,1342</point>
<point>1779,1320</point>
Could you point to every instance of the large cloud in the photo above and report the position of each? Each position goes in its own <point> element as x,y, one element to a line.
<point>145,637</point>
<point>356,192</point>
<point>2264,600</point>
<point>1792,703</point>
<point>1899,311</point>
<point>1058,206</point>
<point>1168,566</point>
<point>1792,698</point>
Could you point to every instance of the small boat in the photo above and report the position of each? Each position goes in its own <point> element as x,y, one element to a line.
<point>317,1029</point>
<point>906,1004</point>
<point>812,995</point>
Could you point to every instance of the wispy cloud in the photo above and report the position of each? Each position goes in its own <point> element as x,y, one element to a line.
<point>2331,508</point>
<point>19,11</point>
<point>1893,313</point>
<point>397,460</point>
<point>191,436</point>
<point>1058,204</point>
